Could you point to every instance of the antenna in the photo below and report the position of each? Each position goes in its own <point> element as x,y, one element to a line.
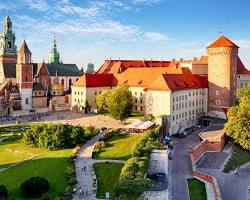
<point>7,11</point>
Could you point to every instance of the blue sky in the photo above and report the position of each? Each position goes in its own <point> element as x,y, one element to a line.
<point>95,30</point>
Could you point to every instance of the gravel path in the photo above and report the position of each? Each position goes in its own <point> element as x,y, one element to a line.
<point>85,178</point>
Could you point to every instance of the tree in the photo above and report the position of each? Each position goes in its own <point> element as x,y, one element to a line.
<point>86,106</point>
<point>119,102</point>
<point>238,125</point>
<point>3,192</point>
<point>101,100</point>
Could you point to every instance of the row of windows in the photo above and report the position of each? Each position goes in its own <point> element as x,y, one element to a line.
<point>138,93</point>
<point>181,115</point>
<point>137,101</point>
<point>191,103</point>
<point>78,100</point>
<point>242,84</point>
<point>139,108</point>
<point>184,97</point>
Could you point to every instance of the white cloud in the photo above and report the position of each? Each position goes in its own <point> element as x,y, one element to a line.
<point>155,36</point>
<point>147,2</point>
<point>40,5</point>
<point>243,43</point>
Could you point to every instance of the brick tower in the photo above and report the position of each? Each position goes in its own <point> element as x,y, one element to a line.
<point>222,76</point>
<point>24,76</point>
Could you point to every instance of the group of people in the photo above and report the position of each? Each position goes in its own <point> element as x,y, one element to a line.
<point>80,189</point>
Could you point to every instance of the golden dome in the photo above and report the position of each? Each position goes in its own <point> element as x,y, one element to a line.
<point>57,87</point>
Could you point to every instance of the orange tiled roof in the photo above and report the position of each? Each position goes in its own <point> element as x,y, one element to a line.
<point>94,80</point>
<point>174,82</point>
<point>118,66</point>
<point>222,42</point>
<point>241,68</point>
<point>203,60</point>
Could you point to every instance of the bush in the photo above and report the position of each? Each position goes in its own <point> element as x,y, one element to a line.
<point>72,181</point>
<point>69,189</point>
<point>107,136</point>
<point>34,187</point>
<point>57,136</point>
<point>46,196</point>
<point>3,192</point>
<point>150,117</point>
<point>131,188</point>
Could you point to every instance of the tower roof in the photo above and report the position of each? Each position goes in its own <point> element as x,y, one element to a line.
<point>24,48</point>
<point>222,42</point>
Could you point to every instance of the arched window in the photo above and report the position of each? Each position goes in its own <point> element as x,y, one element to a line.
<point>26,101</point>
<point>62,82</point>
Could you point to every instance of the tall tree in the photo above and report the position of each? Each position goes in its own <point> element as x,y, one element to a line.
<point>119,102</point>
<point>238,125</point>
<point>101,100</point>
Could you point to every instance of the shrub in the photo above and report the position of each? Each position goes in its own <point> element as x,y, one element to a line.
<point>91,129</point>
<point>3,192</point>
<point>68,189</point>
<point>70,170</point>
<point>150,117</point>
<point>72,181</point>
<point>131,188</point>
<point>34,187</point>
<point>46,196</point>
<point>107,136</point>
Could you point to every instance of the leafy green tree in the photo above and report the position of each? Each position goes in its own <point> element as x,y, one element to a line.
<point>238,125</point>
<point>120,103</point>
<point>101,100</point>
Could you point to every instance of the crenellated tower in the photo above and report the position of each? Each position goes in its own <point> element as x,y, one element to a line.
<point>24,76</point>
<point>222,76</point>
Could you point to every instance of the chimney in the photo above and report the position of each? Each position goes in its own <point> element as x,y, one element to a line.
<point>181,59</point>
<point>173,60</point>
<point>195,58</point>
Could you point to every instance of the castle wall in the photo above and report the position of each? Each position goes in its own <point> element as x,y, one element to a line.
<point>39,102</point>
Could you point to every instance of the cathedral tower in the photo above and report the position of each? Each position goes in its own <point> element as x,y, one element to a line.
<point>8,48</point>
<point>54,56</point>
<point>24,76</point>
<point>222,76</point>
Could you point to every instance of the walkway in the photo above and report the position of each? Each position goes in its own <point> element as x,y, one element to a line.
<point>85,179</point>
<point>180,166</point>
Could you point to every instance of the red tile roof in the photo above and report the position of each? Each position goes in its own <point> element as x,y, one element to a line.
<point>95,80</point>
<point>241,68</point>
<point>222,42</point>
<point>175,82</point>
<point>118,66</point>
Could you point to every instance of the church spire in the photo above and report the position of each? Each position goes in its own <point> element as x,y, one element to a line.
<point>54,56</point>
<point>7,38</point>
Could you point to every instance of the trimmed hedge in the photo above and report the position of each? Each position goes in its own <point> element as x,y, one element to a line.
<point>57,136</point>
<point>3,192</point>
<point>132,182</point>
<point>34,187</point>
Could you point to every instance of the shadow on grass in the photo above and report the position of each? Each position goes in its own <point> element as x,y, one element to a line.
<point>53,169</point>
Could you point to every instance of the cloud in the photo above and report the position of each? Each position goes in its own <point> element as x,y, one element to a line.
<point>155,36</point>
<point>146,2</point>
<point>243,43</point>
<point>40,5</point>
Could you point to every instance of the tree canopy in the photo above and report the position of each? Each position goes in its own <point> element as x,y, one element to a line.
<point>238,125</point>
<point>118,101</point>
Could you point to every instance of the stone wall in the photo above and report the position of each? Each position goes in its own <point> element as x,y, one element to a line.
<point>39,102</point>
<point>197,152</point>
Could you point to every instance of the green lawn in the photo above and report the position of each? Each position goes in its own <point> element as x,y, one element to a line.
<point>238,158</point>
<point>50,164</point>
<point>107,176</point>
<point>197,189</point>
<point>118,147</point>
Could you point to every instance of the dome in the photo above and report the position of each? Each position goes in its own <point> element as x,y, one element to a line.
<point>57,87</point>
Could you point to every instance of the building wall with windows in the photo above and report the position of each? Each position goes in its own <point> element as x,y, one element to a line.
<point>186,106</point>
<point>243,80</point>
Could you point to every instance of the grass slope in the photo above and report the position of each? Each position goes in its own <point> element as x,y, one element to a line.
<point>197,189</point>
<point>50,164</point>
<point>107,176</point>
<point>240,157</point>
<point>118,147</point>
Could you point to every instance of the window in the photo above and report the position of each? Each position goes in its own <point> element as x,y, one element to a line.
<point>217,92</point>
<point>186,97</point>
<point>141,108</point>
<point>173,118</point>
<point>173,100</point>
<point>177,99</point>
<point>141,100</point>
<point>193,103</point>
<point>182,114</point>
<point>141,93</point>
<point>217,102</point>
<point>135,93</point>
<point>173,107</point>
<point>26,101</point>
<point>185,104</point>
<point>9,45</point>
<point>81,93</point>
<point>189,103</point>
<point>182,97</point>
<point>78,93</point>
<point>95,92</point>
<point>135,100</point>
<point>189,94</point>
<point>100,92</point>
<point>185,114</point>
<point>182,105</point>
<point>75,92</point>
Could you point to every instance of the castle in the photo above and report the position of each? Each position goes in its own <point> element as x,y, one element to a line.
<point>176,93</point>
<point>25,85</point>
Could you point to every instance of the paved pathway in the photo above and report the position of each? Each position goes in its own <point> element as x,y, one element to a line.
<point>180,166</point>
<point>85,178</point>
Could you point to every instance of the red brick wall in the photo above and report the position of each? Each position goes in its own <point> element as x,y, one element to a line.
<point>195,154</point>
